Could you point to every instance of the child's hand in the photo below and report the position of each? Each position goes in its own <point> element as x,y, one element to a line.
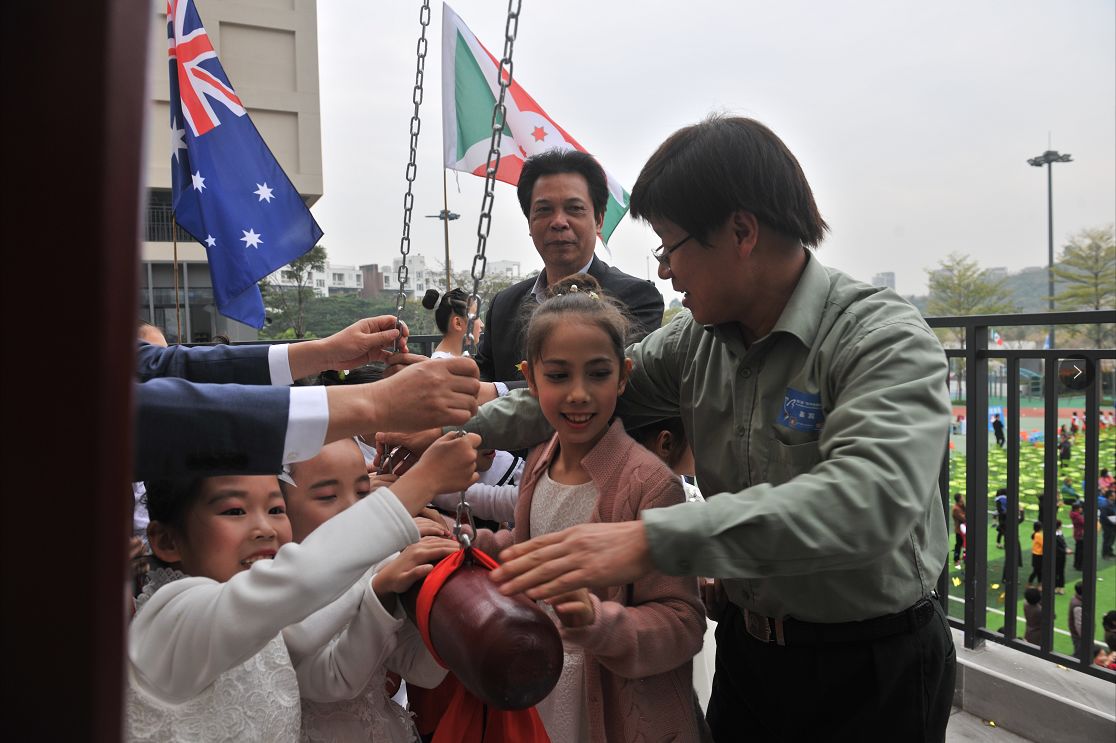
<point>574,609</point>
<point>382,481</point>
<point>412,564</point>
<point>448,466</point>
<point>432,525</point>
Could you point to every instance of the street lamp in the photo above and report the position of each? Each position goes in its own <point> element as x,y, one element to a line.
<point>1048,159</point>
<point>446,216</point>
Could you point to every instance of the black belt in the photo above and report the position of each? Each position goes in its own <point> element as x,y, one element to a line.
<point>791,631</point>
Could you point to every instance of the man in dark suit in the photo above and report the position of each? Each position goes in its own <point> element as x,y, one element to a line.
<point>230,410</point>
<point>563,194</point>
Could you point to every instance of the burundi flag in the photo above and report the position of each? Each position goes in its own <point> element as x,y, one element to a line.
<point>469,91</point>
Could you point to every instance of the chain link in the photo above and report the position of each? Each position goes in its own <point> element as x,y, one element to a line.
<point>499,116</point>
<point>403,273</point>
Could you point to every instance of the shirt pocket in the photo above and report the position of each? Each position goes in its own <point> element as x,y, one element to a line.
<point>786,461</point>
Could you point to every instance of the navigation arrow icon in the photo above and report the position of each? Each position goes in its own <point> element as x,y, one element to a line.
<point>1078,370</point>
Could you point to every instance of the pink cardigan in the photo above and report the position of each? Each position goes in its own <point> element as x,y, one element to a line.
<point>638,651</point>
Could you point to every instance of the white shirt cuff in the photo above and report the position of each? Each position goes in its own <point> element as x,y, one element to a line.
<point>280,366</point>
<point>307,421</point>
<point>501,389</point>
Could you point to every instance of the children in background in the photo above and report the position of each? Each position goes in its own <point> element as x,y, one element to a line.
<point>451,315</point>
<point>344,696</point>
<point>493,497</point>
<point>1036,556</point>
<point>206,657</point>
<point>666,439</point>
<point>1032,613</point>
<point>627,671</point>
<point>1060,550</point>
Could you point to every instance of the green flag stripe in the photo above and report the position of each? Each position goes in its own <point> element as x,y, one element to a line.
<point>473,100</point>
<point>614,212</point>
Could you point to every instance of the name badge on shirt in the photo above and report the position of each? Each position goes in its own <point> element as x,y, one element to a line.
<point>802,411</point>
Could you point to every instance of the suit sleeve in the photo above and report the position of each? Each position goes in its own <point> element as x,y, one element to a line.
<point>201,430</point>
<point>217,364</point>
<point>484,348</point>
<point>646,305</point>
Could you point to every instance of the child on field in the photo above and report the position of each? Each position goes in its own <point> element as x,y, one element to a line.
<point>366,634</point>
<point>207,660</point>
<point>627,671</point>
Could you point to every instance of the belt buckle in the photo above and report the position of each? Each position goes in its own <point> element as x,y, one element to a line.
<point>764,629</point>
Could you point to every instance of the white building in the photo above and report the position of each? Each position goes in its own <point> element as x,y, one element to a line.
<point>331,282</point>
<point>509,269</point>
<point>270,55</point>
<point>885,279</point>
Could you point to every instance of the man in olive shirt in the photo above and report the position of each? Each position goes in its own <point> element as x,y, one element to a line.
<point>818,413</point>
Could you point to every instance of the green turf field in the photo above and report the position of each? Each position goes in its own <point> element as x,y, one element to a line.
<point>1030,488</point>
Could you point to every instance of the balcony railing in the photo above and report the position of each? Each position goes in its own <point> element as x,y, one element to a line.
<point>976,354</point>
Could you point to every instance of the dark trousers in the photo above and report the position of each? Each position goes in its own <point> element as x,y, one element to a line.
<point>1108,538</point>
<point>1036,569</point>
<point>896,688</point>
<point>1078,553</point>
<point>958,542</point>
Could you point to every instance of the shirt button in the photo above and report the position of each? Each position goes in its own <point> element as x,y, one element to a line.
<point>292,457</point>
<point>741,430</point>
<point>746,372</point>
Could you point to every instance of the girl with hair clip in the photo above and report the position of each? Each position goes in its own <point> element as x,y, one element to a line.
<point>451,315</point>
<point>206,655</point>
<point>365,633</point>
<point>628,649</point>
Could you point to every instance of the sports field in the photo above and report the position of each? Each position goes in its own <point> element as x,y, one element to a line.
<point>1030,488</point>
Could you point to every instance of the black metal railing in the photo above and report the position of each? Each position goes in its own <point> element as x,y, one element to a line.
<point>976,354</point>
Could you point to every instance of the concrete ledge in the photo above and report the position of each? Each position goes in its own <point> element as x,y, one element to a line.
<point>1032,697</point>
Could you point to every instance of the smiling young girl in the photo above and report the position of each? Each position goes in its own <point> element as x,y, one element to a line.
<point>342,653</point>
<point>206,657</point>
<point>627,668</point>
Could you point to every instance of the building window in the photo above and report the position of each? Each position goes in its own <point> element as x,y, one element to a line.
<point>387,280</point>
<point>338,278</point>
<point>359,279</point>
<point>320,283</point>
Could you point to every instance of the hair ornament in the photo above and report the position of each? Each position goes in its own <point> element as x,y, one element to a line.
<point>573,287</point>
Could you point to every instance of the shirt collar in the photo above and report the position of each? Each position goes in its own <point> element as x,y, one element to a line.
<point>800,317</point>
<point>539,289</point>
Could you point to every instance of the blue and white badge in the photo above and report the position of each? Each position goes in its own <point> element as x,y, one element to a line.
<point>802,411</point>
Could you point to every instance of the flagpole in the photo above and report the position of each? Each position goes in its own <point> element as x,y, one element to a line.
<point>174,240</point>
<point>445,224</point>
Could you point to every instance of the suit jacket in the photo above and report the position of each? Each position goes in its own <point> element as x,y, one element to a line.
<point>207,411</point>
<point>501,345</point>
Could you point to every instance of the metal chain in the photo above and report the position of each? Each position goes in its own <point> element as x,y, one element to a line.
<point>473,303</point>
<point>412,168</point>
<point>499,114</point>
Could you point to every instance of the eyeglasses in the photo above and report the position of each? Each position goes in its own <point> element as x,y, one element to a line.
<point>662,253</point>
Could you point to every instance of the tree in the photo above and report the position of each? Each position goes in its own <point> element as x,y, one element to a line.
<point>959,286</point>
<point>1087,270</point>
<point>291,301</point>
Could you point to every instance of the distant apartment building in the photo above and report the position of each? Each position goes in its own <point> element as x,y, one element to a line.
<point>334,281</point>
<point>379,279</point>
<point>270,53</point>
<point>885,279</point>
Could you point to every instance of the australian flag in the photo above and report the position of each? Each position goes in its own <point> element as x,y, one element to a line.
<point>228,191</point>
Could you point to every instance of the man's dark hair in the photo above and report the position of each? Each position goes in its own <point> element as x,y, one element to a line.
<point>1078,588</point>
<point>554,162</point>
<point>703,173</point>
<point>1032,596</point>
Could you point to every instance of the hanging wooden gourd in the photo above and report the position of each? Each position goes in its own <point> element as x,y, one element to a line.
<point>504,649</point>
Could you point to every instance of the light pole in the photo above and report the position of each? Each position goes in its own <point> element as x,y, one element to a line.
<point>1048,159</point>
<point>446,216</point>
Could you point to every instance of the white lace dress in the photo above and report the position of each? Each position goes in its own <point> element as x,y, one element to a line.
<point>256,700</point>
<point>206,660</point>
<point>343,684</point>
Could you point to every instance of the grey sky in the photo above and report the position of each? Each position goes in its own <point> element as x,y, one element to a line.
<point>913,121</point>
